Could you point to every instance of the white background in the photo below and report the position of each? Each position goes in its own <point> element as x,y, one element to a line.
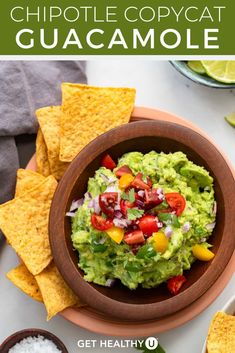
<point>158,85</point>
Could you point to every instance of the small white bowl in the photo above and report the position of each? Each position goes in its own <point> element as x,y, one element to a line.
<point>229,308</point>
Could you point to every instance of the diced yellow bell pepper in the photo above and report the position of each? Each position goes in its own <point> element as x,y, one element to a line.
<point>115,233</point>
<point>125,180</point>
<point>202,253</point>
<point>160,242</point>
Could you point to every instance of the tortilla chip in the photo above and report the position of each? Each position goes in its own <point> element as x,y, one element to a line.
<point>57,296</point>
<point>27,180</point>
<point>24,280</point>
<point>90,111</point>
<point>49,121</point>
<point>221,335</point>
<point>24,221</point>
<point>41,155</point>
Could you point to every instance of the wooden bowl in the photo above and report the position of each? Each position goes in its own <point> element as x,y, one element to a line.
<point>143,304</point>
<point>12,340</point>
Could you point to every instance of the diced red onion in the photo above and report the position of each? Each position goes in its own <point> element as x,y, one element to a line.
<point>112,188</point>
<point>70,214</point>
<point>117,207</point>
<point>210,226</point>
<point>186,227</point>
<point>109,180</point>
<point>161,197</point>
<point>94,203</point>
<point>101,241</point>
<point>121,223</point>
<point>141,193</point>
<point>168,231</point>
<point>87,196</point>
<point>159,224</point>
<point>159,191</point>
<point>91,204</point>
<point>118,214</point>
<point>214,210</point>
<point>76,204</point>
<point>110,282</point>
<point>140,203</point>
<point>104,177</point>
<point>203,240</point>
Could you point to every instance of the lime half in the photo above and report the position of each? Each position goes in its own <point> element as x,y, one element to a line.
<point>231,119</point>
<point>196,66</point>
<point>222,71</point>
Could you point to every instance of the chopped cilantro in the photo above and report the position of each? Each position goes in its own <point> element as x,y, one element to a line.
<point>162,206</point>
<point>175,221</point>
<point>168,217</point>
<point>164,217</point>
<point>130,196</point>
<point>124,196</point>
<point>134,213</point>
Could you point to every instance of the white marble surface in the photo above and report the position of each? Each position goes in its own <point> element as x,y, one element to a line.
<point>158,85</point>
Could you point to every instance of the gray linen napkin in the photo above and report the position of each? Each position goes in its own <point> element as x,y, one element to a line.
<point>24,87</point>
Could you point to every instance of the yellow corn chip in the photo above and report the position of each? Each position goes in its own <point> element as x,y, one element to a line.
<point>49,121</point>
<point>221,336</point>
<point>57,296</point>
<point>24,221</point>
<point>90,111</point>
<point>41,155</point>
<point>24,280</point>
<point>27,180</point>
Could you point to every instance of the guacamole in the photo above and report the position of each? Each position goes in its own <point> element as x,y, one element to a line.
<point>143,219</point>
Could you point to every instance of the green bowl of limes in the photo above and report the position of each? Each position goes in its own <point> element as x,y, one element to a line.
<point>216,74</point>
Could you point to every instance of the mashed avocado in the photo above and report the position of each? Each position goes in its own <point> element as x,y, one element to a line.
<point>103,260</point>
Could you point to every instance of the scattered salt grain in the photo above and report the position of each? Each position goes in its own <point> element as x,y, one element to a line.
<point>36,344</point>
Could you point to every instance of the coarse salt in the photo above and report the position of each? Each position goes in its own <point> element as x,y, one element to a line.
<point>36,344</point>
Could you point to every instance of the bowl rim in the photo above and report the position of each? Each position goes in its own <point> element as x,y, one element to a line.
<point>18,336</point>
<point>69,272</point>
<point>206,81</point>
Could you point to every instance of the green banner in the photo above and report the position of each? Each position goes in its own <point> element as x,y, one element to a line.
<point>112,27</point>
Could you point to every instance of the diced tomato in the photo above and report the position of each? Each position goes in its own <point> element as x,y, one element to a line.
<point>101,223</point>
<point>176,201</point>
<point>175,283</point>
<point>107,202</point>
<point>138,182</point>
<point>135,237</point>
<point>124,204</point>
<point>108,162</point>
<point>123,170</point>
<point>148,225</point>
<point>152,198</point>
